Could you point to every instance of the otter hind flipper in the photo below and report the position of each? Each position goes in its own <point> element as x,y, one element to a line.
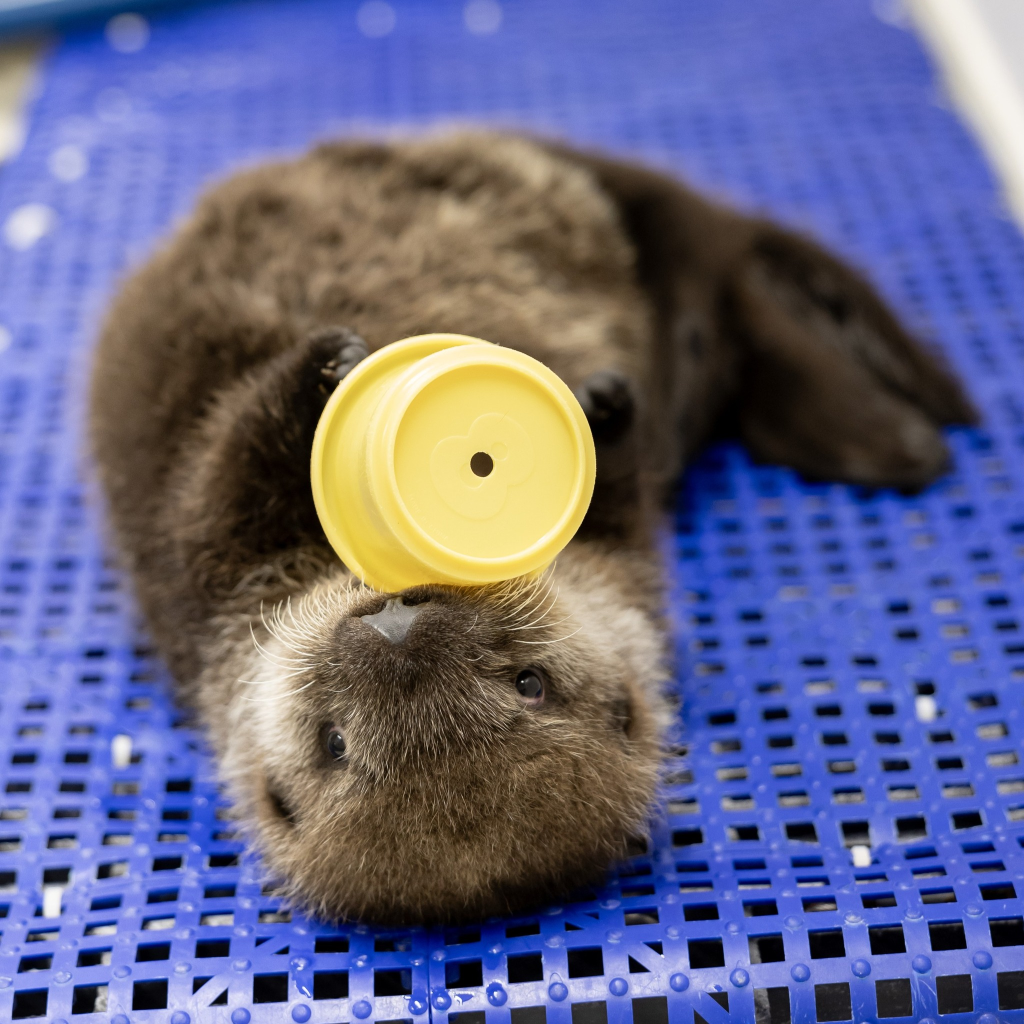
<point>756,321</point>
<point>833,384</point>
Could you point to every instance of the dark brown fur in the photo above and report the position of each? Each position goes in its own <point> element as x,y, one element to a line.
<point>668,313</point>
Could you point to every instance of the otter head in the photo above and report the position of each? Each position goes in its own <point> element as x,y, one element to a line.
<point>446,753</point>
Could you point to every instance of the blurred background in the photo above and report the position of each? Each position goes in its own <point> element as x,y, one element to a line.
<point>978,46</point>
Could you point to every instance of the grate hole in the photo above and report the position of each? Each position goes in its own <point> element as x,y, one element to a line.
<point>216,892</point>
<point>742,833</point>
<point>330,984</point>
<point>801,832</point>
<point>687,837</point>
<point>586,963</point>
<point>894,998</point>
<point>818,905</point>
<point>150,995</point>
<point>987,866</point>
<point>749,865</point>
<point>875,901</point>
<point>1010,985</point>
<point>955,994</point>
<point>966,819</point>
<point>855,833</point>
<point>331,945</point>
<point>590,1013</point>
<point>206,948</point>
<point>529,1015</point>
<point>89,999</point>
<point>629,891</point>
<point>639,917</point>
<point>93,957</point>
<point>705,953</point>
<point>389,983</point>
<point>886,939</point>
<point>766,949</point>
<point>153,951</point>
<point>35,963</point>
<point>701,912</point>
<point>998,891</point>
<point>947,935</point>
<point>760,908</point>
<point>273,988</point>
<point>391,945</point>
<point>31,1003</point>
<point>825,945</point>
<point>463,974</point>
<point>909,829</point>
<point>1007,931</point>
<point>650,1010</point>
<point>832,1002</point>
<point>527,967</point>
<point>771,1006</point>
<point>848,795</point>
<point>635,967</point>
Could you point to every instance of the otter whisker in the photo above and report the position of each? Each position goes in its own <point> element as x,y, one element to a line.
<point>531,595</point>
<point>540,625</point>
<point>540,594</point>
<point>273,658</point>
<point>280,674</point>
<point>557,641</point>
<point>537,623</point>
<point>287,665</point>
<point>280,696</point>
<point>550,604</point>
<point>545,596</point>
<point>275,634</point>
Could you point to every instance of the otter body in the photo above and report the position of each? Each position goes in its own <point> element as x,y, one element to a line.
<point>448,753</point>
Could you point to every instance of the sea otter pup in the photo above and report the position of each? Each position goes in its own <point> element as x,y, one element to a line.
<point>447,753</point>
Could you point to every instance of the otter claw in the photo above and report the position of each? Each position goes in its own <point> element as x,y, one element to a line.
<point>349,352</point>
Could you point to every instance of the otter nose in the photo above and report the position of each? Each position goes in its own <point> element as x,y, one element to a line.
<point>394,620</point>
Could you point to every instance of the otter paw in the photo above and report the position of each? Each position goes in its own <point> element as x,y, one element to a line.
<point>607,401</point>
<point>341,349</point>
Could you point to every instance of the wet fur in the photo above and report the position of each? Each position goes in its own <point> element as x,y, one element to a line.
<point>674,316</point>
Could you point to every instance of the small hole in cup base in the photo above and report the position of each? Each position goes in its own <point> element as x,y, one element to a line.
<point>481,464</point>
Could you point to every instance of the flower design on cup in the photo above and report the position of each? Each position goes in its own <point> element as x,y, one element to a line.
<point>473,472</point>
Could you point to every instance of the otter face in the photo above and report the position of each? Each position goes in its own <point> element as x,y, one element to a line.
<point>447,753</point>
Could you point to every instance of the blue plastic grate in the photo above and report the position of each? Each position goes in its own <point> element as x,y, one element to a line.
<point>852,663</point>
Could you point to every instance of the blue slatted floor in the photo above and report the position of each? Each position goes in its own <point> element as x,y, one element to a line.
<point>852,663</point>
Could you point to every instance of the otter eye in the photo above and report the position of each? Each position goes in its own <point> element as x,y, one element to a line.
<point>336,746</point>
<point>530,684</point>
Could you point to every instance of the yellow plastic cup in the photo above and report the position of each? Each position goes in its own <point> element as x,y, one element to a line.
<point>446,459</point>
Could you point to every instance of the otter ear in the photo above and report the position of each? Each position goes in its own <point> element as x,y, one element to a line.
<point>606,398</point>
<point>832,384</point>
<point>280,806</point>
